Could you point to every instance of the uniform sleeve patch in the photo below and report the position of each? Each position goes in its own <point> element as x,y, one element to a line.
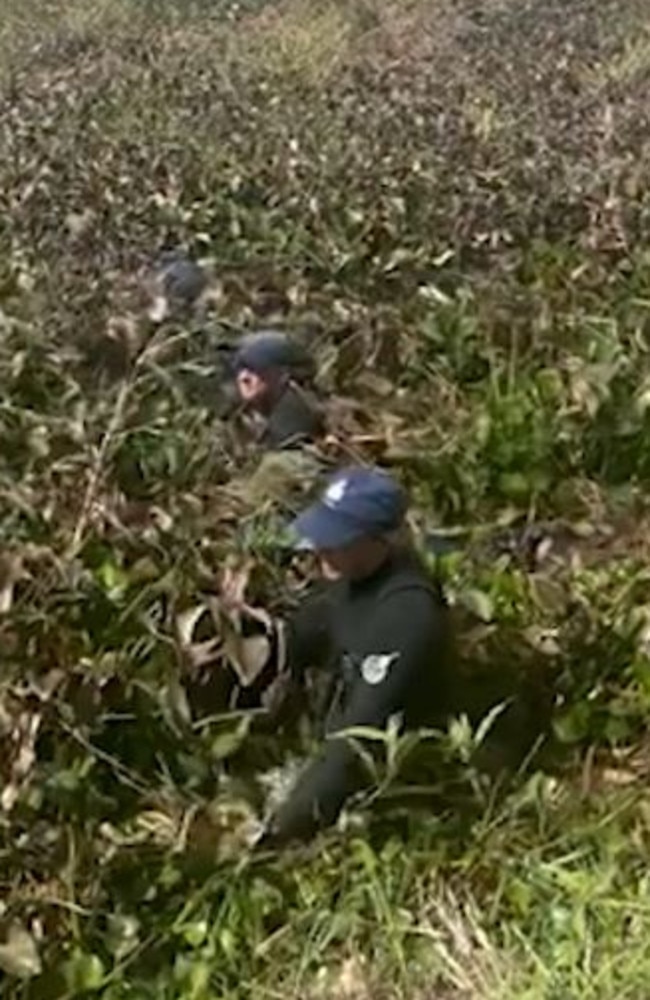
<point>374,668</point>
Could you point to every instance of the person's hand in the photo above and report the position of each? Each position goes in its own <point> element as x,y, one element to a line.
<point>232,596</point>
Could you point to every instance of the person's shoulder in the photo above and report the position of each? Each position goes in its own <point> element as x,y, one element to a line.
<point>408,578</point>
<point>410,604</point>
<point>299,400</point>
<point>412,609</point>
<point>296,415</point>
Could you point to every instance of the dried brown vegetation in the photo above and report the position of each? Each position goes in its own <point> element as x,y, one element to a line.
<point>451,199</point>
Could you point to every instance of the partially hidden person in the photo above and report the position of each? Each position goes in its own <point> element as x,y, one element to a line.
<point>269,368</point>
<point>175,286</point>
<point>381,625</point>
<point>266,372</point>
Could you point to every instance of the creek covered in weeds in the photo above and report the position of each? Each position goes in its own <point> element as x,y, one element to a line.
<point>449,200</point>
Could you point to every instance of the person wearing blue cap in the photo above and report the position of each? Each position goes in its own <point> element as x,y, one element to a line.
<point>385,626</point>
<point>267,368</point>
<point>175,286</point>
<point>264,371</point>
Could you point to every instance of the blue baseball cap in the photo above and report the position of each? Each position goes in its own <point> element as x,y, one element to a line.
<point>267,349</point>
<point>182,278</point>
<point>357,502</point>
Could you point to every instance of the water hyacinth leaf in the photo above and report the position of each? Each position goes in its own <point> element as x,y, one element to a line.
<point>461,737</point>
<point>487,722</point>
<point>198,653</point>
<point>454,197</point>
<point>112,578</point>
<point>186,623</point>
<point>550,595</point>
<point>478,603</point>
<point>544,640</point>
<point>515,485</point>
<point>175,704</point>
<point>195,933</point>
<point>84,972</point>
<point>572,725</point>
<point>225,829</point>
<point>19,955</point>
<point>123,934</point>
<point>227,742</point>
<point>19,763</point>
<point>248,655</point>
<point>11,572</point>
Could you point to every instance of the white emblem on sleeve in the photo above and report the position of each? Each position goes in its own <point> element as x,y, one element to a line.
<point>374,668</point>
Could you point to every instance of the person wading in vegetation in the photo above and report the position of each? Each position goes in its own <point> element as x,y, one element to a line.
<point>269,368</point>
<point>381,624</point>
<point>174,287</point>
<point>264,371</point>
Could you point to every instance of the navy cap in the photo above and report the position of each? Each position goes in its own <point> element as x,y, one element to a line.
<point>266,349</point>
<point>182,279</point>
<point>357,502</point>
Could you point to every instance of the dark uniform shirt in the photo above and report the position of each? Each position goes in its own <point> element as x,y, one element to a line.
<point>389,638</point>
<point>294,419</point>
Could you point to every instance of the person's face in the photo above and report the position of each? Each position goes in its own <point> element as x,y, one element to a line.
<point>251,387</point>
<point>260,390</point>
<point>155,300</point>
<point>354,561</point>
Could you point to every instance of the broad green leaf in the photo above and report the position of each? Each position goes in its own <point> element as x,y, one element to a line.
<point>84,972</point>
<point>19,955</point>
<point>229,741</point>
<point>478,603</point>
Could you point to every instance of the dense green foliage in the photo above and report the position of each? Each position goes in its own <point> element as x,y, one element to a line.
<point>453,197</point>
